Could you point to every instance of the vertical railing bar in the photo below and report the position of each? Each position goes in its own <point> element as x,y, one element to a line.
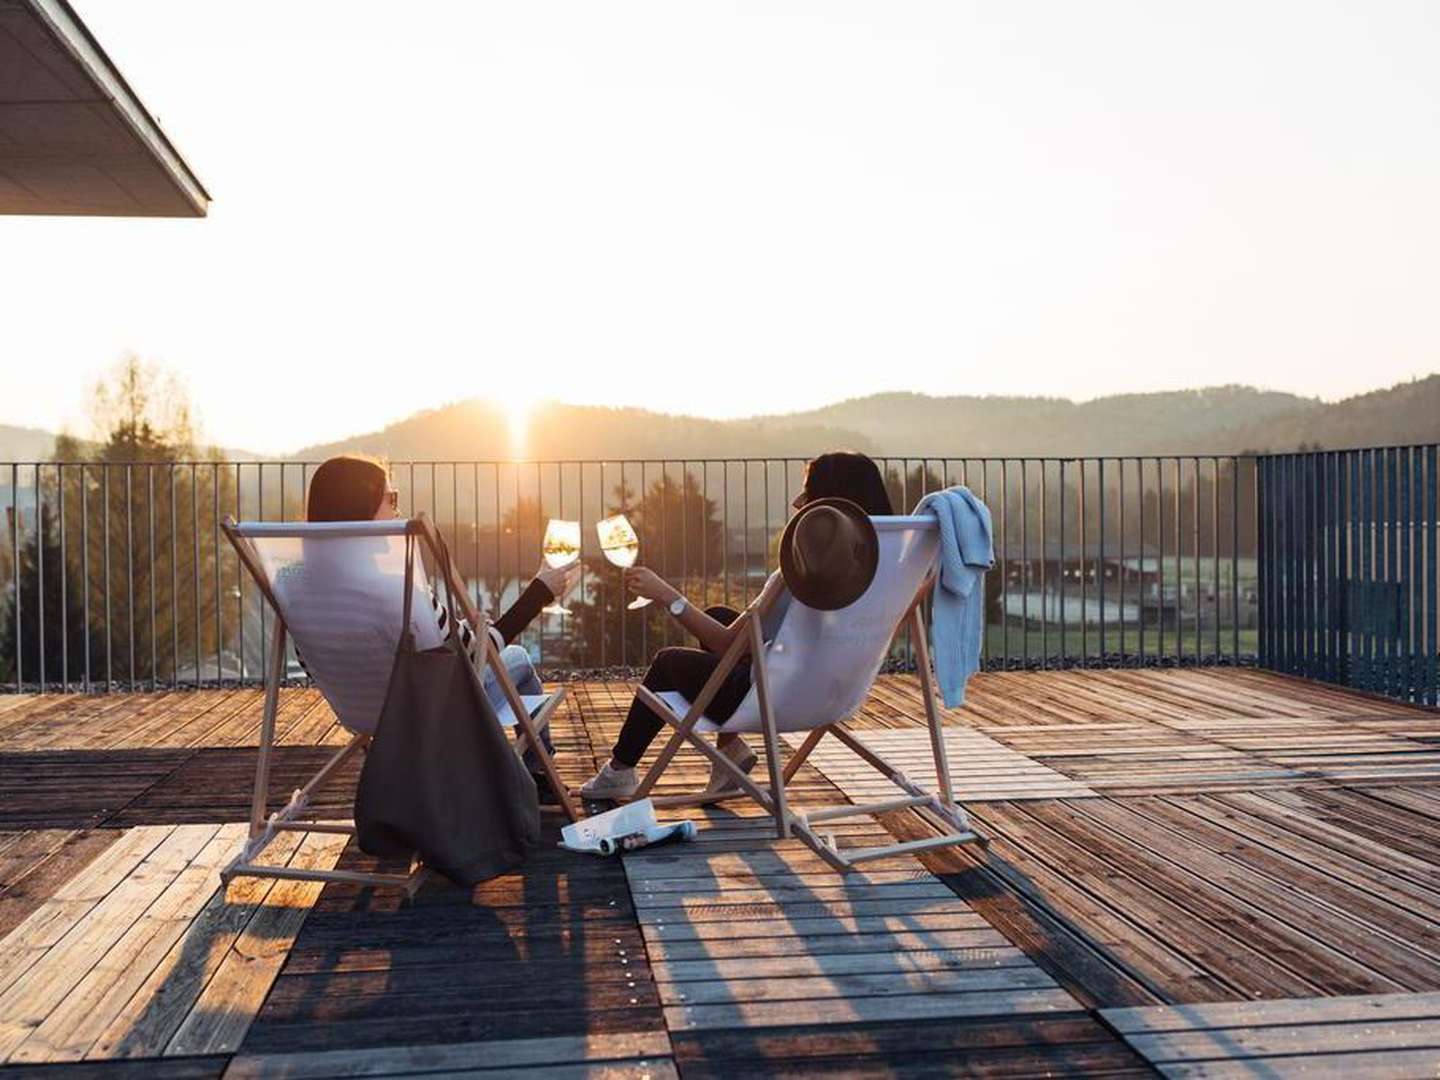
<point>766,466</point>
<point>1392,530</point>
<point>195,561</point>
<point>1084,567</point>
<point>985,498</point>
<point>260,516</point>
<point>1335,585</point>
<point>1367,563</point>
<point>1024,560</point>
<point>1120,514</point>
<point>64,587</point>
<point>1064,572</point>
<point>150,506</point>
<point>1100,497</point>
<point>1432,563</point>
<point>1005,560</point>
<point>1044,559</point>
<point>39,570</point>
<point>745,537</point>
<point>725,531</point>
<point>1407,575</point>
<point>1260,494</point>
<point>1160,566</point>
<point>1235,555</point>
<point>1140,555</point>
<point>174,585</point>
<point>215,555</point>
<point>1195,554</point>
<point>1297,562</point>
<point>1338,644</point>
<point>109,636</point>
<point>85,564</point>
<point>705,533</point>
<point>15,565</point>
<point>240,569</point>
<point>1353,647</point>
<point>130,566</point>
<point>1215,548</point>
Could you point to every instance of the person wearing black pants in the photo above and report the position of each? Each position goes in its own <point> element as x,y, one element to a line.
<point>685,670</point>
<point>841,475</point>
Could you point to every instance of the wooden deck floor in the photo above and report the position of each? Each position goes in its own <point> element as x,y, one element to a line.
<point>1218,872</point>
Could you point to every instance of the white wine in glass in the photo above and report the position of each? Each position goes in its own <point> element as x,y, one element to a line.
<point>561,547</point>
<point>621,546</point>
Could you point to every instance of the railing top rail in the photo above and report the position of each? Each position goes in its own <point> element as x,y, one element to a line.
<point>678,459</point>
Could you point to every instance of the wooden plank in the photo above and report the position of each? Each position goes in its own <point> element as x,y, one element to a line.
<point>1386,1063</point>
<point>226,1007</point>
<point>1360,1008</point>
<point>805,989</point>
<point>72,901</point>
<point>51,977</point>
<point>74,1026</point>
<point>1277,1039</point>
<point>810,964</point>
<point>639,1050</point>
<point>828,945</point>
<point>149,1020</point>
<point>867,1010</point>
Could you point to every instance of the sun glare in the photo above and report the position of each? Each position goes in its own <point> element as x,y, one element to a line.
<point>517,417</point>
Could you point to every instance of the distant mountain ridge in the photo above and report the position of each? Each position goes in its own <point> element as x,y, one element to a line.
<point>1213,420</point>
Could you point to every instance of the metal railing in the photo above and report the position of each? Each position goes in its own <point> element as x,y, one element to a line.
<point>115,574</point>
<point>1349,578</point>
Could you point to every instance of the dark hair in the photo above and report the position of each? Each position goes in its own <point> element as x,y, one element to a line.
<point>843,474</point>
<point>346,488</point>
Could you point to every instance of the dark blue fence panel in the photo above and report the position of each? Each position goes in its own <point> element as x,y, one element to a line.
<point>1347,570</point>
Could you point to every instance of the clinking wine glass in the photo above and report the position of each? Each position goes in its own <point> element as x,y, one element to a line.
<point>561,547</point>
<point>621,546</point>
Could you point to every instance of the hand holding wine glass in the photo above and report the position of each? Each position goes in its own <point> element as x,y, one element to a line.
<point>621,545</point>
<point>561,548</point>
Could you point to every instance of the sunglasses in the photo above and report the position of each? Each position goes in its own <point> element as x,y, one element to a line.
<point>392,500</point>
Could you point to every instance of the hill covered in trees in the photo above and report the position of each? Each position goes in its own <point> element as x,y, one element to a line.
<point>1227,419</point>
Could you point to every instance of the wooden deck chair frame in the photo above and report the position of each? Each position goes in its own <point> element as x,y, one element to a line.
<point>939,806</point>
<point>265,827</point>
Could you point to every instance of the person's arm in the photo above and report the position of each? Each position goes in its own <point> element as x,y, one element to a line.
<point>549,584</point>
<point>714,636</point>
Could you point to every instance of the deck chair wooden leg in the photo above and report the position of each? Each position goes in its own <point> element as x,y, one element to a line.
<point>274,671</point>
<point>932,719</point>
<point>529,732</point>
<point>683,729</point>
<point>767,727</point>
<point>716,758</point>
<point>798,758</point>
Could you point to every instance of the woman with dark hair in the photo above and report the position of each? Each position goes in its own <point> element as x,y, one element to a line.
<point>354,487</point>
<point>839,474</point>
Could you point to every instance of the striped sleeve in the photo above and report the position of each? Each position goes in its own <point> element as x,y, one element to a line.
<point>467,635</point>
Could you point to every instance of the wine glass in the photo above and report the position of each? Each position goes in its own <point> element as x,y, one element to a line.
<point>561,547</point>
<point>621,546</point>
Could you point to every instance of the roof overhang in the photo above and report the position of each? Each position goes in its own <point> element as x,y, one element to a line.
<point>74,138</point>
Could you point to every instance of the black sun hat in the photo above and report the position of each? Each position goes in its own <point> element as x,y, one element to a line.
<point>828,554</point>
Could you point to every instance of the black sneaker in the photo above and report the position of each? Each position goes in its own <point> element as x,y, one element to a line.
<point>545,790</point>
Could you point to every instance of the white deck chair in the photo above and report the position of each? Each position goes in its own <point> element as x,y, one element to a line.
<point>337,588</point>
<point>816,673</point>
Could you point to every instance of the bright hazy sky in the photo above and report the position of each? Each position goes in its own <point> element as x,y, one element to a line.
<point>723,209</point>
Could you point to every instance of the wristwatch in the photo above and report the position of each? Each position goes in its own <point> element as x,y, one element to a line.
<point>678,606</point>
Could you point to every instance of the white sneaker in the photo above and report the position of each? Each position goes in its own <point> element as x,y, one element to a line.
<point>721,782</point>
<point>610,783</point>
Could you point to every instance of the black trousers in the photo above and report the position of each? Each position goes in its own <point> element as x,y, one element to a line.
<point>685,670</point>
